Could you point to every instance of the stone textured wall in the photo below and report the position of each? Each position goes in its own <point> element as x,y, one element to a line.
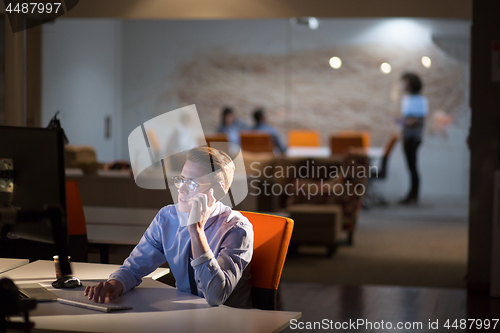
<point>358,96</point>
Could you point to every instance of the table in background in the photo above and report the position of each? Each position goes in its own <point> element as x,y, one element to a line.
<point>116,225</point>
<point>157,308</point>
<point>324,151</point>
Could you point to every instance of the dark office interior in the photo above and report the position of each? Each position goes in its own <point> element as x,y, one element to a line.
<point>110,68</point>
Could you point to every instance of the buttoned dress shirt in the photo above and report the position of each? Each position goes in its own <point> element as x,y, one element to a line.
<point>222,274</point>
<point>414,106</point>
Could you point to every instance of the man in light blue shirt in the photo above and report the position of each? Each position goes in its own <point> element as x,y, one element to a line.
<point>201,227</point>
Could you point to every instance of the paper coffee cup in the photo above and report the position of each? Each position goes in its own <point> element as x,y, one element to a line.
<point>58,266</point>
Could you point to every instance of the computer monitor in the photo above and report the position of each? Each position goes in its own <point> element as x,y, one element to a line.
<point>33,193</point>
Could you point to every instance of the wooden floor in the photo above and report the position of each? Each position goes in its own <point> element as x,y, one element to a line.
<point>408,305</point>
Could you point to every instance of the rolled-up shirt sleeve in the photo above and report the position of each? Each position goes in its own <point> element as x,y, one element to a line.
<point>217,276</point>
<point>146,257</point>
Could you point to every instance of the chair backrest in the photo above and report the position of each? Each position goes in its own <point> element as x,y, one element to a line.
<point>256,142</point>
<point>390,145</point>
<point>387,151</point>
<point>303,138</point>
<point>341,144</point>
<point>215,137</point>
<point>365,136</point>
<point>271,239</point>
<point>77,227</point>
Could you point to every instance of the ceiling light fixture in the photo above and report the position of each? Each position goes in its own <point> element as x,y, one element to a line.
<point>335,62</point>
<point>385,68</point>
<point>426,62</point>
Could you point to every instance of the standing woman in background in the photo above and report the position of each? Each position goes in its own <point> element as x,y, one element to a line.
<point>414,108</point>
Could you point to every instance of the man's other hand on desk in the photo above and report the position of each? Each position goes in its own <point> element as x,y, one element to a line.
<point>111,289</point>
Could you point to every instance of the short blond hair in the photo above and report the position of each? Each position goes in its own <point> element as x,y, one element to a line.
<point>219,165</point>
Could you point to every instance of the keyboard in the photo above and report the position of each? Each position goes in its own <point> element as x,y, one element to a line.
<point>91,305</point>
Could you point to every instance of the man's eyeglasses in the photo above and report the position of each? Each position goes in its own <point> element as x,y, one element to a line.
<point>190,184</point>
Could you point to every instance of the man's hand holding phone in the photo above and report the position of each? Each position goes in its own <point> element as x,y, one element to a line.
<point>202,205</point>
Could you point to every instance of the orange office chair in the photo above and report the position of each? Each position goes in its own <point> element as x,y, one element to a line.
<point>77,228</point>
<point>271,239</point>
<point>340,144</point>
<point>365,136</point>
<point>303,138</point>
<point>215,137</point>
<point>256,142</point>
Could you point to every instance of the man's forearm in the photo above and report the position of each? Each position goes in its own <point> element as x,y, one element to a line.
<point>199,242</point>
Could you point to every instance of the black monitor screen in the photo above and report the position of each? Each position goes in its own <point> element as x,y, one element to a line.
<point>32,179</point>
<point>38,167</point>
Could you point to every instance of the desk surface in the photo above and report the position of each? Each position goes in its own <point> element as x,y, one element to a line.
<point>324,151</point>
<point>44,270</point>
<point>8,264</point>
<point>157,307</point>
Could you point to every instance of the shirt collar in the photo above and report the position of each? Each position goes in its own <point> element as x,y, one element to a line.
<point>183,217</point>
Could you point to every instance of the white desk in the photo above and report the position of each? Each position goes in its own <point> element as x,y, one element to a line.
<point>8,264</point>
<point>157,308</point>
<point>324,151</point>
<point>44,270</point>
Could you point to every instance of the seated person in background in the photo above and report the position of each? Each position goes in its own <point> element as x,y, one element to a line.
<point>231,126</point>
<point>261,125</point>
<point>214,249</point>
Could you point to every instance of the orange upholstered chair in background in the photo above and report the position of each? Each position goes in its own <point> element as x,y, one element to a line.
<point>77,227</point>
<point>215,137</point>
<point>365,136</point>
<point>303,138</point>
<point>256,142</point>
<point>271,239</point>
<point>341,144</point>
